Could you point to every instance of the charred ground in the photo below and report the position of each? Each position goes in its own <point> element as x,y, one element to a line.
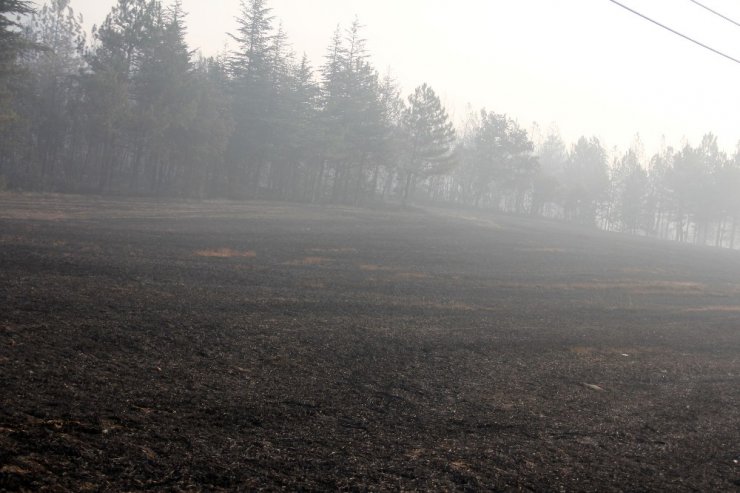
<point>177,346</point>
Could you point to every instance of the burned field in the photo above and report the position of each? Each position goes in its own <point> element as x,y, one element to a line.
<point>182,346</point>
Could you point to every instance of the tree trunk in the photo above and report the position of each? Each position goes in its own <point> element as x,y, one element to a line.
<point>407,188</point>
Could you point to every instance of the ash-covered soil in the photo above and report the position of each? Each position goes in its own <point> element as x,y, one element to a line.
<point>244,346</point>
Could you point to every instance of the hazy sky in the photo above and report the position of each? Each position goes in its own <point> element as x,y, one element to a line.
<point>587,65</point>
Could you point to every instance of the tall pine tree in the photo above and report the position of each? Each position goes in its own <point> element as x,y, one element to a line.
<point>430,139</point>
<point>254,97</point>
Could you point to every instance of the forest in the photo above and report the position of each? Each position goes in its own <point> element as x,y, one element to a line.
<point>136,111</point>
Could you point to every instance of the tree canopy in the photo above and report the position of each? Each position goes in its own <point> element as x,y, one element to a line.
<point>134,110</point>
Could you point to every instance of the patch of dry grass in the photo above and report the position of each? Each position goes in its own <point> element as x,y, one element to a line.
<point>632,286</point>
<point>407,276</point>
<point>226,253</point>
<point>544,250</point>
<point>375,268</point>
<point>333,250</point>
<point>583,350</point>
<point>718,308</point>
<point>309,261</point>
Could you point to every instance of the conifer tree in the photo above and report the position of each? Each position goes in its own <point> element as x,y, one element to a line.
<point>208,133</point>
<point>586,179</point>
<point>165,106</point>
<point>254,97</point>
<point>430,139</point>
<point>118,54</point>
<point>12,46</point>
<point>547,193</point>
<point>53,92</point>
<point>299,139</point>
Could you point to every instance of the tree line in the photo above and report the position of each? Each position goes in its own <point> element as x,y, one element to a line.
<point>135,111</point>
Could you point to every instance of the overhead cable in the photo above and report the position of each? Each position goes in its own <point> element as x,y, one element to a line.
<point>715,12</point>
<point>725,55</point>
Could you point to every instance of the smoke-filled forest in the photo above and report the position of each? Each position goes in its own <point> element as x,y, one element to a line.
<point>134,110</point>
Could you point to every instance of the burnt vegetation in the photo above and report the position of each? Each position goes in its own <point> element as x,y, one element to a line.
<point>179,346</point>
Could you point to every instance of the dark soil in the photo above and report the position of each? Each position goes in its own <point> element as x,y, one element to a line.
<point>225,346</point>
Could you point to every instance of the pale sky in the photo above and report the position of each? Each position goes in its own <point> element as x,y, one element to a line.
<point>588,66</point>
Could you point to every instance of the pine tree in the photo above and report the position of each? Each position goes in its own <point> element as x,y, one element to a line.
<point>630,183</point>
<point>352,116</point>
<point>547,193</point>
<point>254,97</point>
<point>299,146</point>
<point>108,87</point>
<point>165,107</point>
<point>730,183</point>
<point>12,45</point>
<point>498,161</point>
<point>388,152</point>
<point>208,133</point>
<point>430,139</point>
<point>280,161</point>
<point>586,179</point>
<point>53,92</point>
<point>332,117</point>
<point>12,41</point>
<point>659,196</point>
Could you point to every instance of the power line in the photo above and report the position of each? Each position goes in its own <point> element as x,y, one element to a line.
<point>676,32</point>
<point>715,12</point>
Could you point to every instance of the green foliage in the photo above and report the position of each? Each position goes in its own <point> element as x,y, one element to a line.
<point>497,161</point>
<point>586,180</point>
<point>429,138</point>
<point>52,92</point>
<point>12,41</point>
<point>255,94</point>
<point>13,44</point>
<point>547,184</point>
<point>137,113</point>
<point>356,120</point>
<point>630,193</point>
